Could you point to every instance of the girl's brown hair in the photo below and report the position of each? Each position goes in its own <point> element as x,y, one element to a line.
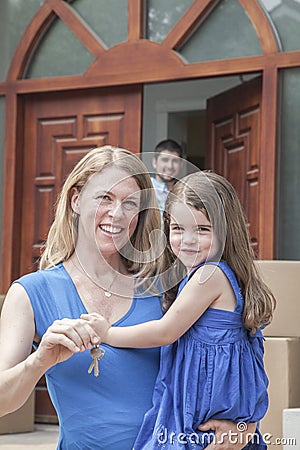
<point>216,197</point>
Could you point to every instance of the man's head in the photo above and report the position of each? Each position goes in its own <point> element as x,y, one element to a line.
<point>167,160</point>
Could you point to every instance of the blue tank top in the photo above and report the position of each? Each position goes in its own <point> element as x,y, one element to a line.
<point>95,413</point>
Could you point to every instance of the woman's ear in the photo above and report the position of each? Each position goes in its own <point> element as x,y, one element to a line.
<point>75,202</point>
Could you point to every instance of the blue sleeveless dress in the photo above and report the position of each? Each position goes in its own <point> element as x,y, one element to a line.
<point>214,371</point>
<point>95,413</point>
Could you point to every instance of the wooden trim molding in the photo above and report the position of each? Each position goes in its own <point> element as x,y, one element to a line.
<point>30,38</point>
<point>186,25</point>
<point>72,20</point>
<point>261,25</point>
<point>136,21</point>
<point>38,26</point>
<point>268,163</point>
<point>9,186</point>
<point>135,73</point>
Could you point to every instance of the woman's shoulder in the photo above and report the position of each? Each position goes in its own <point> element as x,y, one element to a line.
<point>42,275</point>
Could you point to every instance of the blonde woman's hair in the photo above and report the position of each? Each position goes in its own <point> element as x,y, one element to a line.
<point>216,198</point>
<point>141,257</point>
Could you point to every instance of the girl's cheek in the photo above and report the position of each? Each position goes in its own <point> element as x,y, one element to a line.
<point>175,244</point>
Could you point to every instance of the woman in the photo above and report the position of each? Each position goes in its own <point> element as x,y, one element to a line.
<point>100,257</point>
<point>212,358</point>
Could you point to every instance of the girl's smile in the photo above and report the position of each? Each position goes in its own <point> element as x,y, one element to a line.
<point>191,236</point>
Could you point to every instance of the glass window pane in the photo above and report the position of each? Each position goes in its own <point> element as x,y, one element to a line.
<point>289,164</point>
<point>226,33</point>
<point>59,53</point>
<point>14,18</point>
<point>285,17</point>
<point>108,19</point>
<point>162,15</point>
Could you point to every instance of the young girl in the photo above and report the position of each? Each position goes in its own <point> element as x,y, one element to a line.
<point>214,365</point>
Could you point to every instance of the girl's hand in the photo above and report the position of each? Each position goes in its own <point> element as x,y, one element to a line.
<point>64,338</point>
<point>98,323</point>
<point>228,435</point>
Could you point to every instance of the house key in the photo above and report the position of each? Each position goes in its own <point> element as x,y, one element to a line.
<point>96,353</point>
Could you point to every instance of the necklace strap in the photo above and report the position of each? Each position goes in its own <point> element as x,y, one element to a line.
<point>107,291</point>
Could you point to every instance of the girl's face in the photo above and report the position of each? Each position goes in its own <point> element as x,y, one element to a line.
<point>108,208</point>
<point>191,236</point>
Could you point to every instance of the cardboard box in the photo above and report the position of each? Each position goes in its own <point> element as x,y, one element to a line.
<point>21,420</point>
<point>282,363</point>
<point>283,278</point>
<point>291,429</point>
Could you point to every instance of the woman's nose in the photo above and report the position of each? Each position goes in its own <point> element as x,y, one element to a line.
<point>116,210</point>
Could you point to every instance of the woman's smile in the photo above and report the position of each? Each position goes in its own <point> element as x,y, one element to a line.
<point>108,207</point>
<point>111,230</point>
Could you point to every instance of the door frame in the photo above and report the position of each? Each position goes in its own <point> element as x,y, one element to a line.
<point>137,61</point>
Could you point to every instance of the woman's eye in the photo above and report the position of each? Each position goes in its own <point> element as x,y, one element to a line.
<point>130,204</point>
<point>103,198</point>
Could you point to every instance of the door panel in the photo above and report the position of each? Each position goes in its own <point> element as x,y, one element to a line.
<point>59,129</point>
<point>234,145</point>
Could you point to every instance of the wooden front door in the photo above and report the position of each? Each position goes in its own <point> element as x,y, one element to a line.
<point>59,129</point>
<point>234,119</point>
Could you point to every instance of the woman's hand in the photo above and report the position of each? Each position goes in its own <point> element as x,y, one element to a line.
<point>228,435</point>
<point>98,323</point>
<point>64,338</point>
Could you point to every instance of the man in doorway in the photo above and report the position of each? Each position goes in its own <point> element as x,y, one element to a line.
<point>167,162</point>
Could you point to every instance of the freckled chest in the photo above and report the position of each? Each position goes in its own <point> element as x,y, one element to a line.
<point>94,299</point>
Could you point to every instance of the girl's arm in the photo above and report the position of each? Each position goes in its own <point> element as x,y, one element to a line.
<point>206,287</point>
<point>20,369</point>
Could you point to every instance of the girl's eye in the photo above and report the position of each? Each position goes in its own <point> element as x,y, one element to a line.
<point>175,228</point>
<point>203,230</point>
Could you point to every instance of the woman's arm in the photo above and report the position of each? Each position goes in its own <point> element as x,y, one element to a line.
<point>228,435</point>
<point>20,369</point>
<point>191,303</point>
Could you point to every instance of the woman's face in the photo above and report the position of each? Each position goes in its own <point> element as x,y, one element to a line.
<point>108,208</point>
<point>191,235</point>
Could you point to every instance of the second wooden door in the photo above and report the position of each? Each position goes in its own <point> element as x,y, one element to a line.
<point>234,146</point>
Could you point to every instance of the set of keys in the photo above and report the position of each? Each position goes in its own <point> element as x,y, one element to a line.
<point>96,353</point>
